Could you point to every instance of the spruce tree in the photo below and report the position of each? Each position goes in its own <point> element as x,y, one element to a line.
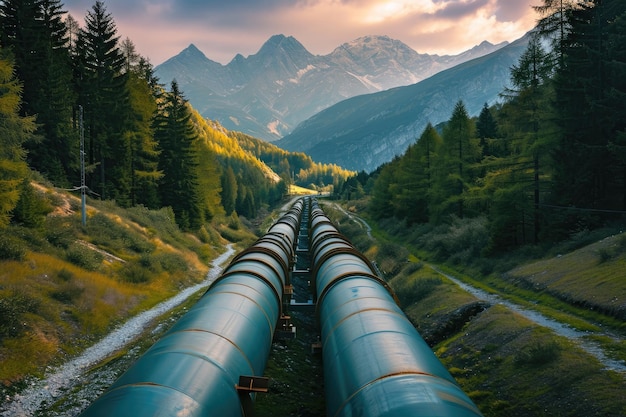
<point>529,124</point>
<point>454,173</point>
<point>590,169</point>
<point>15,130</point>
<point>35,32</point>
<point>179,186</point>
<point>144,90</point>
<point>229,190</point>
<point>103,92</point>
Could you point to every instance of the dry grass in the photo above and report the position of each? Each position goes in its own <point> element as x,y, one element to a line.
<point>74,283</point>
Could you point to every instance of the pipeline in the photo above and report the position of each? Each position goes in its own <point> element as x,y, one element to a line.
<point>375,362</point>
<point>212,360</point>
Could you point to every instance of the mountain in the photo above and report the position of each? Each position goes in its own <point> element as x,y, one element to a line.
<point>268,94</point>
<point>363,132</point>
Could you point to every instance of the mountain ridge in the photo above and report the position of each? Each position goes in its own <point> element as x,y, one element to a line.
<point>369,130</point>
<point>267,94</point>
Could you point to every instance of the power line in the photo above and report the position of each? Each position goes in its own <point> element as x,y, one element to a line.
<point>591,210</point>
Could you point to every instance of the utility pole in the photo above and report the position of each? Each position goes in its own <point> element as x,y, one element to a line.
<point>83,187</point>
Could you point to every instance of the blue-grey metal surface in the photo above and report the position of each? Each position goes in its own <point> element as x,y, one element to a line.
<point>194,369</point>
<point>375,363</point>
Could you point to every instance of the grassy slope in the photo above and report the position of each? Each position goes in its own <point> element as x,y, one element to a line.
<point>74,283</point>
<point>507,364</point>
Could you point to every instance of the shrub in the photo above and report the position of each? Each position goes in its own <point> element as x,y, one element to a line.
<point>135,274</point>
<point>11,248</point>
<point>115,236</point>
<point>65,275</point>
<point>67,292</point>
<point>12,307</point>
<point>460,242</point>
<point>60,231</point>
<point>411,290</point>
<point>171,262</point>
<point>80,255</point>
<point>538,353</point>
<point>31,207</point>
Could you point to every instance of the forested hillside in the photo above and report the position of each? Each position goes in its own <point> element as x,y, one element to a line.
<point>546,163</point>
<point>143,143</point>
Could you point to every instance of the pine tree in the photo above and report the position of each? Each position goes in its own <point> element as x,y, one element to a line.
<point>15,130</point>
<point>589,86</point>
<point>103,93</point>
<point>229,190</point>
<point>486,129</point>
<point>179,186</point>
<point>528,122</point>
<point>411,189</point>
<point>381,203</point>
<point>454,171</point>
<point>36,33</point>
<point>143,89</point>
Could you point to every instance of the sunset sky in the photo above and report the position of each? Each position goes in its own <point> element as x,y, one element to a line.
<point>221,29</point>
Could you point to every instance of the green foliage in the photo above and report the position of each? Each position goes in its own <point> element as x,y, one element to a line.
<point>14,132</point>
<point>110,234</point>
<point>459,242</point>
<point>589,159</point>
<point>81,255</point>
<point>37,35</point>
<point>169,261</point>
<point>13,304</point>
<point>11,247</point>
<point>59,232</point>
<point>134,273</point>
<point>31,208</point>
<point>410,288</point>
<point>104,96</point>
<point>538,354</point>
<point>68,291</point>
<point>179,187</point>
<point>229,190</point>
<point>294,164</point>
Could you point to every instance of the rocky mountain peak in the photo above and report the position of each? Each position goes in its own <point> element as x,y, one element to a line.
<point>281,44</point>
<point>283,84</point>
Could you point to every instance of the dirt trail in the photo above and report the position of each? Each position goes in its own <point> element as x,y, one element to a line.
<point>59,381</point>
<point>578,337</point>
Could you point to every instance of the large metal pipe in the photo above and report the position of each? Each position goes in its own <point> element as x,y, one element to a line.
<point>195,368</point>
<point>375,362</point>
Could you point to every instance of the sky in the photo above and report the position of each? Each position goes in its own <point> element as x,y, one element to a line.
<point>221,29</point>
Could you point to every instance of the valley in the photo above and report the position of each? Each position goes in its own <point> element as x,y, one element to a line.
<point>431,312</point>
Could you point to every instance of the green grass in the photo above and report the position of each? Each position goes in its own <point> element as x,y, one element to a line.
<point>508,365</point>
<point>63,285</point>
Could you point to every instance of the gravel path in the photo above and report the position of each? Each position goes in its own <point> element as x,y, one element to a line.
<point>581,338</point>
<point>59,381</point>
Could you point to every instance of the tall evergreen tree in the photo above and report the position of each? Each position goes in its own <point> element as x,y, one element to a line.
<point>35,31</point>
<point>15,130</point>
<point>381,203</point>
<point>486,129</point>
<point>179,187</point>
<point>144,91</point>
<point>103,93</point>
<point>229,190</point>
<point>411,189</point>
<point>528,120</point>
<point>555,23</point>
<point>589,104</point>
<point>454,173</point>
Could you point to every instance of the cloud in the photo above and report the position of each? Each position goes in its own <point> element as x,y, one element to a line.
<point>460,9</point>
<point>222,28</point>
